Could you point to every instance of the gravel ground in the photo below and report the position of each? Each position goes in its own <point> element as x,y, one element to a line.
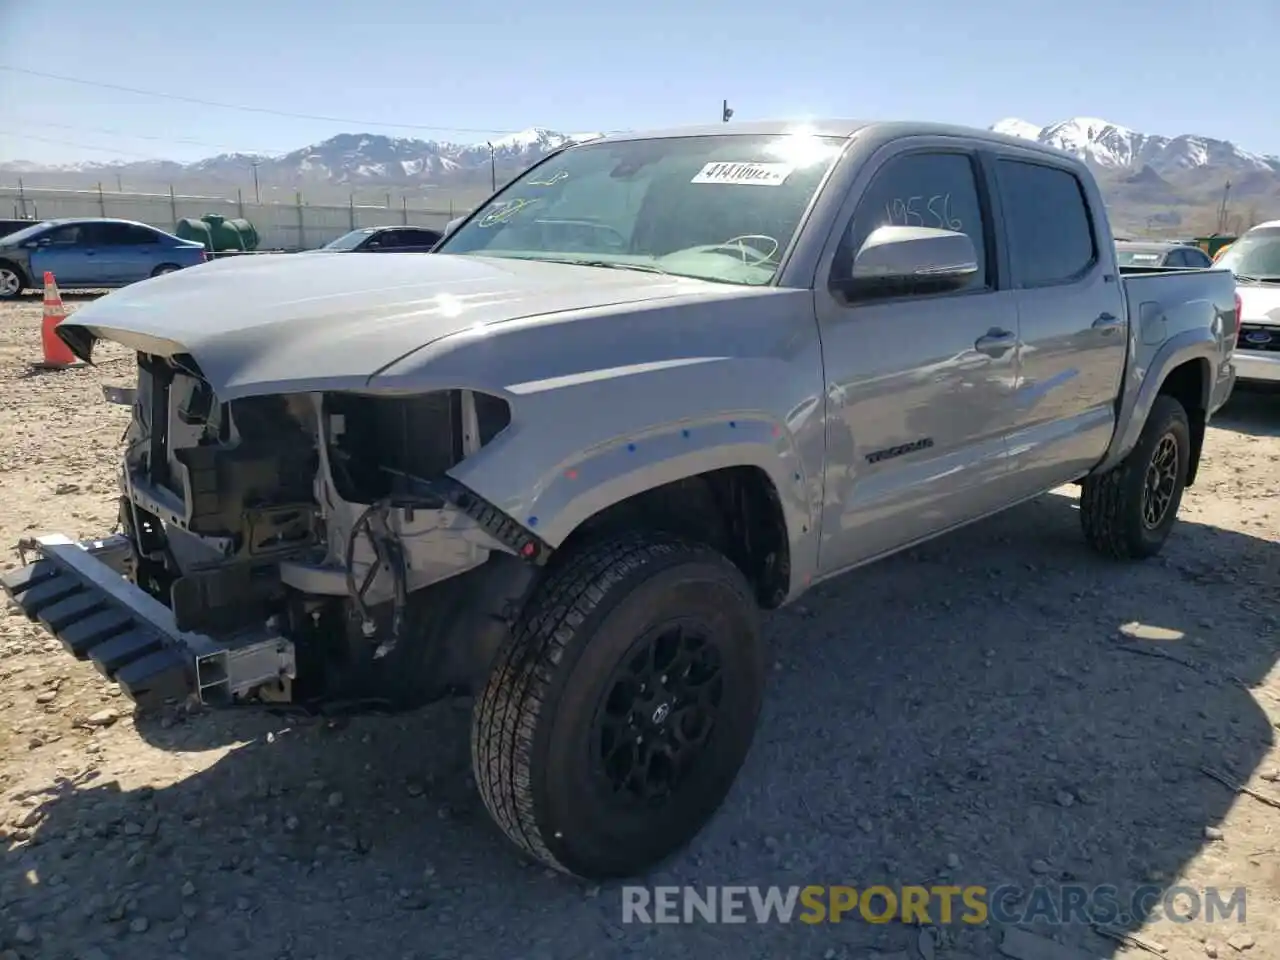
<point>966,712</point>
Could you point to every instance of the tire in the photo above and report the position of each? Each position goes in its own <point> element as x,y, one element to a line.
<point>540,726</point>
<point>1121,515</point>
<point>164,268</point>
<point>12,282</point>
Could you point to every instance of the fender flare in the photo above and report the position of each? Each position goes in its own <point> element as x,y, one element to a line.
<point>1135,405</point>
<point>592,480</point>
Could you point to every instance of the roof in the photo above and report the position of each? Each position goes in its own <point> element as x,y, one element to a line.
<point>834,127</point>
<point>1149,246</point>
<point>58,221</point>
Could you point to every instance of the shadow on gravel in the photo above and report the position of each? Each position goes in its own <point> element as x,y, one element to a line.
<point>1255,412</point>
<point>964,713</point>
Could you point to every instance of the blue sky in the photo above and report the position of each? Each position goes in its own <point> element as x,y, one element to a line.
<point>471,68</point>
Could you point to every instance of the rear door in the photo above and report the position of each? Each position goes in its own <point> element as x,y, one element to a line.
<point>140,251</point>
<point>1071,316</point>
<point>109,249</point>
<point>919,387</point>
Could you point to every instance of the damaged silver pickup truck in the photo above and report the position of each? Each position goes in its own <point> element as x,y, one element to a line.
<point>656,384</point>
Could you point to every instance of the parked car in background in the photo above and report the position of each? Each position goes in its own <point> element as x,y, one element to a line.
<point>1165,254</point>
<point>386,240</point>
<point>90,253</point>
<point>1255,260</point>
<point>13,226</point>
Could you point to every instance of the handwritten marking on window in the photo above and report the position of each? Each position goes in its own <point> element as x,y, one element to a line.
<point>923,211</point>
<point>504,213</point>
<point>549,181</point>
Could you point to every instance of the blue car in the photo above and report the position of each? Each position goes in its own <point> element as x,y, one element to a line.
<point>90,253</point>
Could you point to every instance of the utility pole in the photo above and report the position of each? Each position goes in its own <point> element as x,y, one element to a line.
<point>493,170</point>
<point>725,111</point>
<point>257,196</point>
<point>1222,210</point>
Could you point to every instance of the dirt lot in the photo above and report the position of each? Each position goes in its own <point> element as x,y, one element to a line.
<point>968,712</point>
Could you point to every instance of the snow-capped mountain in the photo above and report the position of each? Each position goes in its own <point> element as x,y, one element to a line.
<point>350,159</point>
<point>1178,182</point>
<point>1109,146</point>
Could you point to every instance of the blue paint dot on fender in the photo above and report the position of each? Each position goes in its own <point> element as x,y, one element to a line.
<point>797,476</point>
<point>631,448</point>
<point>733,424</point>
<point>685,434</point>
<point>533,521</point>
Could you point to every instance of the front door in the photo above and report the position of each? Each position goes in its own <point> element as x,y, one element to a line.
<point>919,388</point>
<point>63,252</point>
<point>1072,319</point>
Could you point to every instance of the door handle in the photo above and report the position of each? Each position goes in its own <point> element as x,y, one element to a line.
<point>1106,322</point>
<point>995,343</point>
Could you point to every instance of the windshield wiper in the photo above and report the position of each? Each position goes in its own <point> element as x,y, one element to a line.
<point>607,264</point>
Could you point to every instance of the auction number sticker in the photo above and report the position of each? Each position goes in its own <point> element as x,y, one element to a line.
<point>756,174</point>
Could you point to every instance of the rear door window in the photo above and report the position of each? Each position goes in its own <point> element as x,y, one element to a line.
<point>1050,230</point>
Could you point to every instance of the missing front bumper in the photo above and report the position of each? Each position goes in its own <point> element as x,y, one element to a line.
<point>77,591</point>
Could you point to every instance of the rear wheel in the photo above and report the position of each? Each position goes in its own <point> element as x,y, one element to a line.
<point>619,712</point>
<point>12,282</point>
<point>164,268</point>
<point>1128,511</point>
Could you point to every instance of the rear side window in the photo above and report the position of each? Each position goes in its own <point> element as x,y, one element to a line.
<point>1049,228</point>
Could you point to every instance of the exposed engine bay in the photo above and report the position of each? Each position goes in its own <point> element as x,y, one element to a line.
<point>317,539</point>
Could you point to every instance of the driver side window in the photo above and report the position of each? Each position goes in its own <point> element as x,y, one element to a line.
<point>919,190</point>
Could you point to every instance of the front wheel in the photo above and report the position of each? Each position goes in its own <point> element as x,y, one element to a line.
<point>617,715</point>
<point>12,281</point>
<point>1128,511</point>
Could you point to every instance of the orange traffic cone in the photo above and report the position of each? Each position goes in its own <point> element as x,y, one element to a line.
<point>57,355</point>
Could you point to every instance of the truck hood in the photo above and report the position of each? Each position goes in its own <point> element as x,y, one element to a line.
<point>1259,303</point>
<point>280,323</point>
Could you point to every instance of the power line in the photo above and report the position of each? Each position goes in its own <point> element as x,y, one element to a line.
<point>251,109</point>
<point>79,146</point>
<point>143,136</point>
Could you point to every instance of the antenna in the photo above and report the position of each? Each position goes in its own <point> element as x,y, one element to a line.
<point>725,111</point>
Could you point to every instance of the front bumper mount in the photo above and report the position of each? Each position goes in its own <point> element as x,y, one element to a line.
<point>78,592</point>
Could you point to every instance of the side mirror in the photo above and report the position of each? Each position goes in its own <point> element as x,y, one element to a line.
<point>452,224</point>
<point>911,260</point>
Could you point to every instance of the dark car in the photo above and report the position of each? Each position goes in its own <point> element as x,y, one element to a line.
<point>1169,255</point>
<point>13,226</point>
<point>90,253</point>
<point>386,240</point>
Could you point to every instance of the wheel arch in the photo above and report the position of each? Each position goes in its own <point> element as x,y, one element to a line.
<point>1181,368</point>
<point>736,510</point>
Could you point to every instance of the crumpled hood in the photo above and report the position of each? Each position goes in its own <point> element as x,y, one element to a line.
<point>277,323</point>
<point>1259,302</point>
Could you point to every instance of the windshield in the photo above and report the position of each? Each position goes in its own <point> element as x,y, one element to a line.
<point>1139,257</point>
<point>714,207</point>
<point>26,233</point>
<point>1256,254</point>
<point>348,241</point>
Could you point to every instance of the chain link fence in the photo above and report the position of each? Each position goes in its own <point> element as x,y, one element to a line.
<point>298,225</point>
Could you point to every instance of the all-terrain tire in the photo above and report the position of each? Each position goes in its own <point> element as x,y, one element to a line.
<point>538,725</point>
<point>1112,504</point>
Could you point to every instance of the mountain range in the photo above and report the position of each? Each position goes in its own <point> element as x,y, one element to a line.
<point>1171,183</point>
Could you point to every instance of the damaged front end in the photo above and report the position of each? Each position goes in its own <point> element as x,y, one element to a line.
<point>308,547</point>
